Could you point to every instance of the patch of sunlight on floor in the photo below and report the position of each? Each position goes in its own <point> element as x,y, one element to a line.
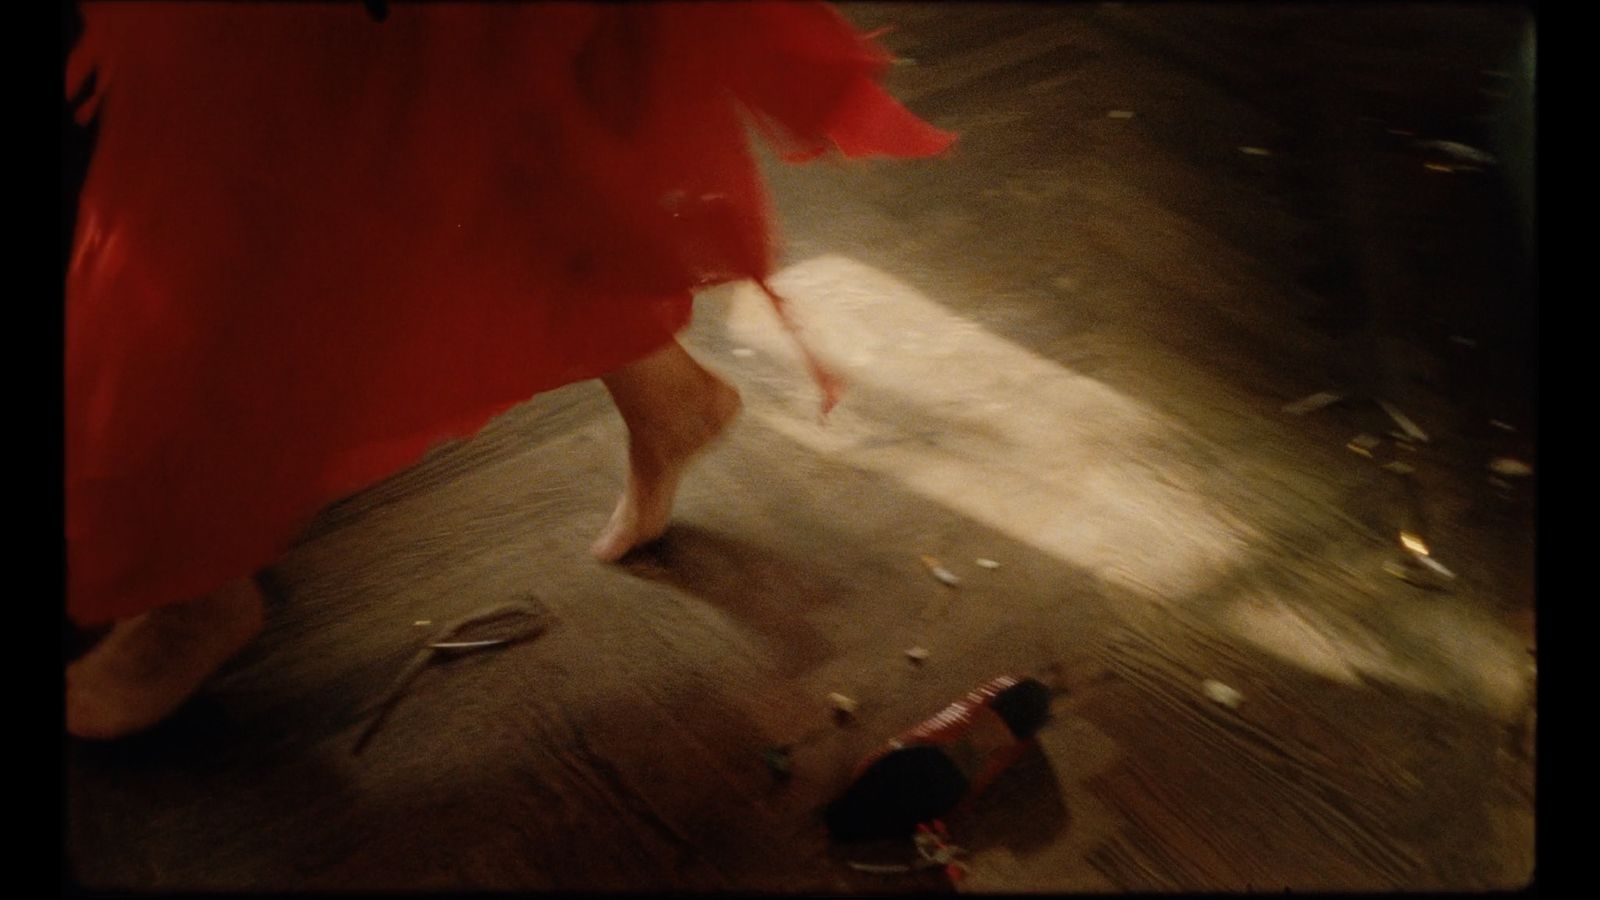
<point>983,426</point>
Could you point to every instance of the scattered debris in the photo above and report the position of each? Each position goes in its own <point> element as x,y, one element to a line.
<point>1120,114</point>
<point>1420,571</point>
<point>1221,694</point>
<point>1460,152</point>
<point>1410,427</point>
<point>1319,400</point>
<point>1502,426</point>
<point>939,571</point>
<point>1417,565</point>
<point>1255,151</point>
<point>743,352</point>
<point>842,705</point>
<point>917,654</point>
<point>1364,444</point>
<point>933,850</point>
<point>1511,468</point>
<point>1400,468</point>
<point>986,563</point>
<point>422,622</point>
<point>1413,543</point>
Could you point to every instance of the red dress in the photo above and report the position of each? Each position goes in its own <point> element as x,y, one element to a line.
<point>311,245</point>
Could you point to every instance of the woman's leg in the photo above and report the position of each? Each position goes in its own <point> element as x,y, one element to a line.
<point>147,666</point>
<point>674,408</point>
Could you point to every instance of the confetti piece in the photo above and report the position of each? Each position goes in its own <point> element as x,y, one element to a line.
<point>1461,152</point>
<point>1511,468</point>
<point>1363,444</point>
<point>916,654</point>
<point>842,705</point>
<point>1319,400</point>
<point>1420,571</point>
<point>1255,151</point>
<point>940,572</point>
<point>1413,543</point>
<point>986,563</point>
<point>1220,693</point>
<point>1410,427</point>
<point>1438,567</point>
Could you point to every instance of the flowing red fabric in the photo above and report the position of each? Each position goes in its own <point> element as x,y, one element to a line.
<point>311,245</point>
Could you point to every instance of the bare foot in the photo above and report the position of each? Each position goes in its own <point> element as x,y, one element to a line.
<point>675,410</point>
<point>149,665</point>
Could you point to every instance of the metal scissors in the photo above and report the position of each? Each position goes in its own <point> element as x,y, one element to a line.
<point>496,626</point>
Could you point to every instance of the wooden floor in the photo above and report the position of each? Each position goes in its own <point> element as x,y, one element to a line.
<point>1069,345</point>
